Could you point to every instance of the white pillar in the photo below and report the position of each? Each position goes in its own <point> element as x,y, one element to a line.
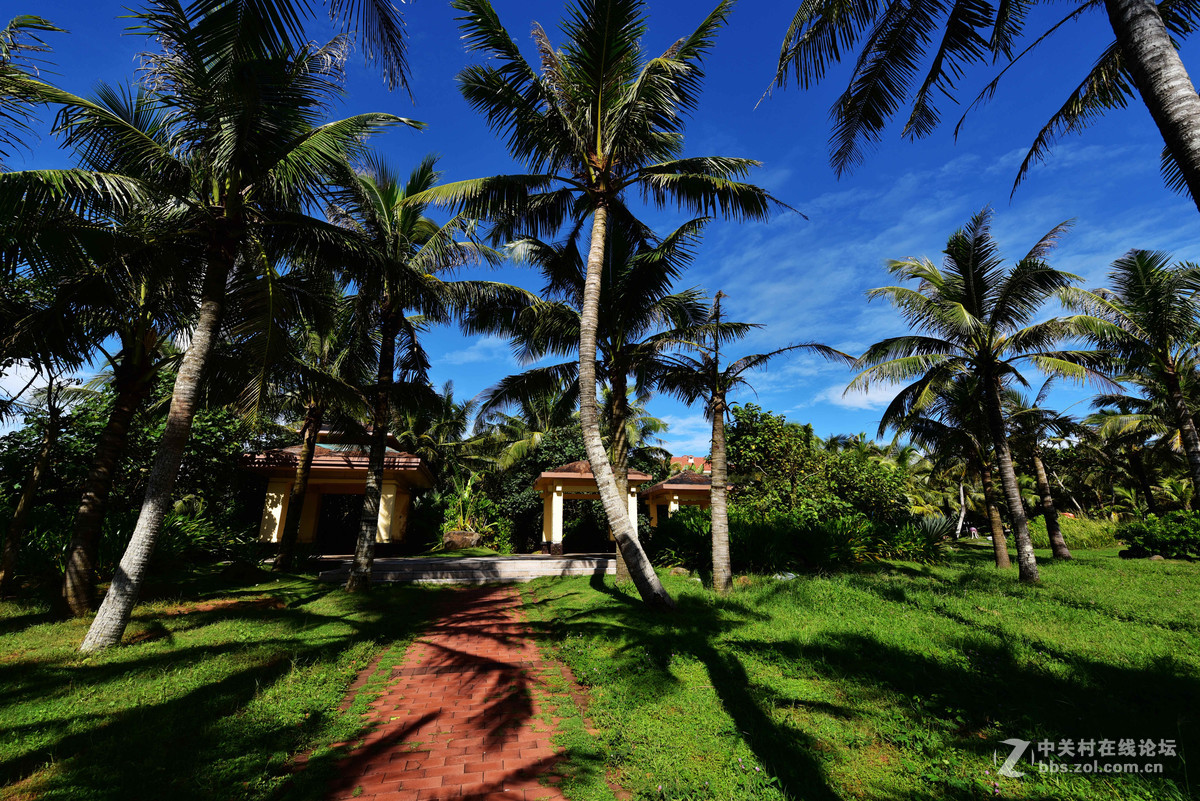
<point>673,506</point>
<point>387,503</point>
<point>556,518</point>
<point>633,510</point>
<point>275,507</point>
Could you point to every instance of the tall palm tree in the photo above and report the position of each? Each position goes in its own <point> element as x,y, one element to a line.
<point>406,255</point>
<point>973,318</point>
<point>518,427</point>
<point>704,378</point>
<point>1032,425</point>
<point>599,121</point>
<point>318,382</point>
<point>236,162</point>
<point>1148,321</point>
<point>891,40</point>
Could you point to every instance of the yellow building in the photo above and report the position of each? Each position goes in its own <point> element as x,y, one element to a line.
<point>335,487</point>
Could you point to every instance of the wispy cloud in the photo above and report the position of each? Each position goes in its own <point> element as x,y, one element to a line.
<point>488,350</point>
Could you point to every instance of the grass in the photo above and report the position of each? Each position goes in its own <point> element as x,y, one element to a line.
<point>460,552</point>
<point>895,683</point>
<point>215,690</point>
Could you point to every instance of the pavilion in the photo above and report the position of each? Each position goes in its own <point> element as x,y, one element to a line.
<point>335,486</point>
<point>571,482</point>
<point>685,488</point>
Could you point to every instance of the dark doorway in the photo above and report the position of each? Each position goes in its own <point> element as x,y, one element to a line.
<point>337,523</point>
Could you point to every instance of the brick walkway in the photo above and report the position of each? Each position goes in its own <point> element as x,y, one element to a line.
<point>461,718</point>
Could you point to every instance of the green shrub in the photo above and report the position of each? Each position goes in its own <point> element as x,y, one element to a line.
<point>781,541</point>
<point>1175,535</point>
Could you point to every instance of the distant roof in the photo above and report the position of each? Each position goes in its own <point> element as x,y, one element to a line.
<point>333,459</point>
<point>689,461</point>
<point>582,471</point>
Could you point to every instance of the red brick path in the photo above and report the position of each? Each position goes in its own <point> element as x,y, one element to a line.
<point>461,718</point>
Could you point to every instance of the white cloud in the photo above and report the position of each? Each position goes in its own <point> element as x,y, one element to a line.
<point>877,396</point>
<point>688,434</point>
<point>488,350</point>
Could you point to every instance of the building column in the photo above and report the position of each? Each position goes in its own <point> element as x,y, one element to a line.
<point>673,506</point>
<point>653,512</point>
<point>404,501</point>
<point>275,509</point>
<point>309,513</point>
<point>552,520</point>
<point>633,510</point>
<point>387,504</point>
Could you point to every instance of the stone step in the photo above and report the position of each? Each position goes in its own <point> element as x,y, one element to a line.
<point>478,570</point>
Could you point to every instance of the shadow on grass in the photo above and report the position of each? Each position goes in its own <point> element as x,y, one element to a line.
<point>983,691</point>
<point>184,722</point>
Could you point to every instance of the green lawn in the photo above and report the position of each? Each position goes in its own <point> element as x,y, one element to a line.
<point>222,684</point>
<point>893,683</point>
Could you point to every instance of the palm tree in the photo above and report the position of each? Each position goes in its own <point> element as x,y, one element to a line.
<point>1032,422</point>
<point>51,399</point>
<point>1148,321</point>
<point>20,48</point>
<point>599,121</point>
<point>703,378</point>
<point>517,433</point>
<point>973,319</point>
<point>640,317</point>
<point>950,423</point>
<point>326,363</point>
<point>406,254</point>
<point>897,37</point>
<point>434,425</point>
<point>236,162</point>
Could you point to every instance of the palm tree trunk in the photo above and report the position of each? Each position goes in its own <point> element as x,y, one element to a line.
<point>364,550</point>
<point>1162,81</point>
<point>291,525</point>
<point>1058,545</point>
<point>110,622</point>
<point>1187,429</point>
<point>616,508</point>
<point>999,541</point>
<point>1138,468</point>
<point>79,583</point>
<point>722,567</point>
<point>1026,562</point>
<point>620,449</point>
<point>16,527</point>
<point>962,509</point>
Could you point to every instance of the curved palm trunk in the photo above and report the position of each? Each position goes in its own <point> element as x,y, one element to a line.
<point>615,507</point>
<point>291,525</point>
<point>962,510</point>
<point>1026,562</point>
<point>999,541</point>
<point>722,567</point>
<point>1058,545</point>
<point>16,527</point>
<point>113,617</point>
<point>1162,81</point>
<point>620,447</point>
<point>1187,428</point>
<point>364,550</point>
<point>79,583</point>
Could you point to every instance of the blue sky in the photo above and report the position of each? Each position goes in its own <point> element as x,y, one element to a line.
<point>802,279</point>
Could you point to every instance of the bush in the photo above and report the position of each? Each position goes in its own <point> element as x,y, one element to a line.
<point>1175,535</point>
<point>770,543</point>
<point>1079,532</point>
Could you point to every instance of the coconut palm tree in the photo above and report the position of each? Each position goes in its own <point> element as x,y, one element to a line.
<point>21,48</point>
<point>235,163</point>
<point>517,428</point>
<point>898,37</point>
<point>599,121</point>
<point>1032,425</point>
<point>703,378</point>
<point>973,318</point>
<point>950,423</point>
<point>406,255</point>
<point>1148,321</point>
